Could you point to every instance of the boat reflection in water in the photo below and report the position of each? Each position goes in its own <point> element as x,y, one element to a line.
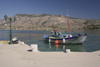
<point>63,47</point>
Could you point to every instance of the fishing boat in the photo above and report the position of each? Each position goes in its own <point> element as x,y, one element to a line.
<point>58,37</point>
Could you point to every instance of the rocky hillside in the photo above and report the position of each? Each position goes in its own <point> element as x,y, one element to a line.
<point>49,22</point>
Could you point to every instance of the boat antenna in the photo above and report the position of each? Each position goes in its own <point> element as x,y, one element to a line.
<point>68,23</point>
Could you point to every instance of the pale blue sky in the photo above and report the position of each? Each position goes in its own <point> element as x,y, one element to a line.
<point>89,9</point>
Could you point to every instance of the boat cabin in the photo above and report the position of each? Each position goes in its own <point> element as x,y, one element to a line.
<point>58,34</point>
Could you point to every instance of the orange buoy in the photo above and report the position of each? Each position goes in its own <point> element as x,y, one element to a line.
<point>56,42</point>
<point>56,45</point>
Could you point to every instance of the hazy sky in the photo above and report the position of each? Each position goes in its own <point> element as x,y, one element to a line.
<point>89,9</point>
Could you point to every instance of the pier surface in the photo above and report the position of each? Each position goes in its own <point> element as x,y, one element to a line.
<point>22,56</point>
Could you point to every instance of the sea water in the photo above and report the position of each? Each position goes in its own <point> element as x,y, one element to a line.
<point>91,44</point>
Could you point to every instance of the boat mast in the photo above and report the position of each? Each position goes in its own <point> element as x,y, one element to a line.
<point>68,23</point>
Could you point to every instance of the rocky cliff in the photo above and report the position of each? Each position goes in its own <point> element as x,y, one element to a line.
<point>48,22</point>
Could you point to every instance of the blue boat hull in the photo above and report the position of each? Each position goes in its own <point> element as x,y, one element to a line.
<point>74,39</point>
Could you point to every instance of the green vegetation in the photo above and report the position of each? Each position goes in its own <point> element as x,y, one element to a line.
<point>44,22</point>
<point>14,18</point>
<point>93,26</point>
<point>5,17</point>
<point>86,22</point>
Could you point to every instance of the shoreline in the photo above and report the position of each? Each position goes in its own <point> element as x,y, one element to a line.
<point>19,56</point>
<point>49,29</point>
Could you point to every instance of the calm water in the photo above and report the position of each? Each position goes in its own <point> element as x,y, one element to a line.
<point>92,42</point>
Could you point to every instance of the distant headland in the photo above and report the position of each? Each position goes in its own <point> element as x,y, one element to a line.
<point>48,22</point>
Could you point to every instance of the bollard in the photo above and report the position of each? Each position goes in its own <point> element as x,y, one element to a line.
<point>63,40</point>
<point>22,43</point>
<point>67,50</point>
<point>34,47</point>
<point>49,40</point>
